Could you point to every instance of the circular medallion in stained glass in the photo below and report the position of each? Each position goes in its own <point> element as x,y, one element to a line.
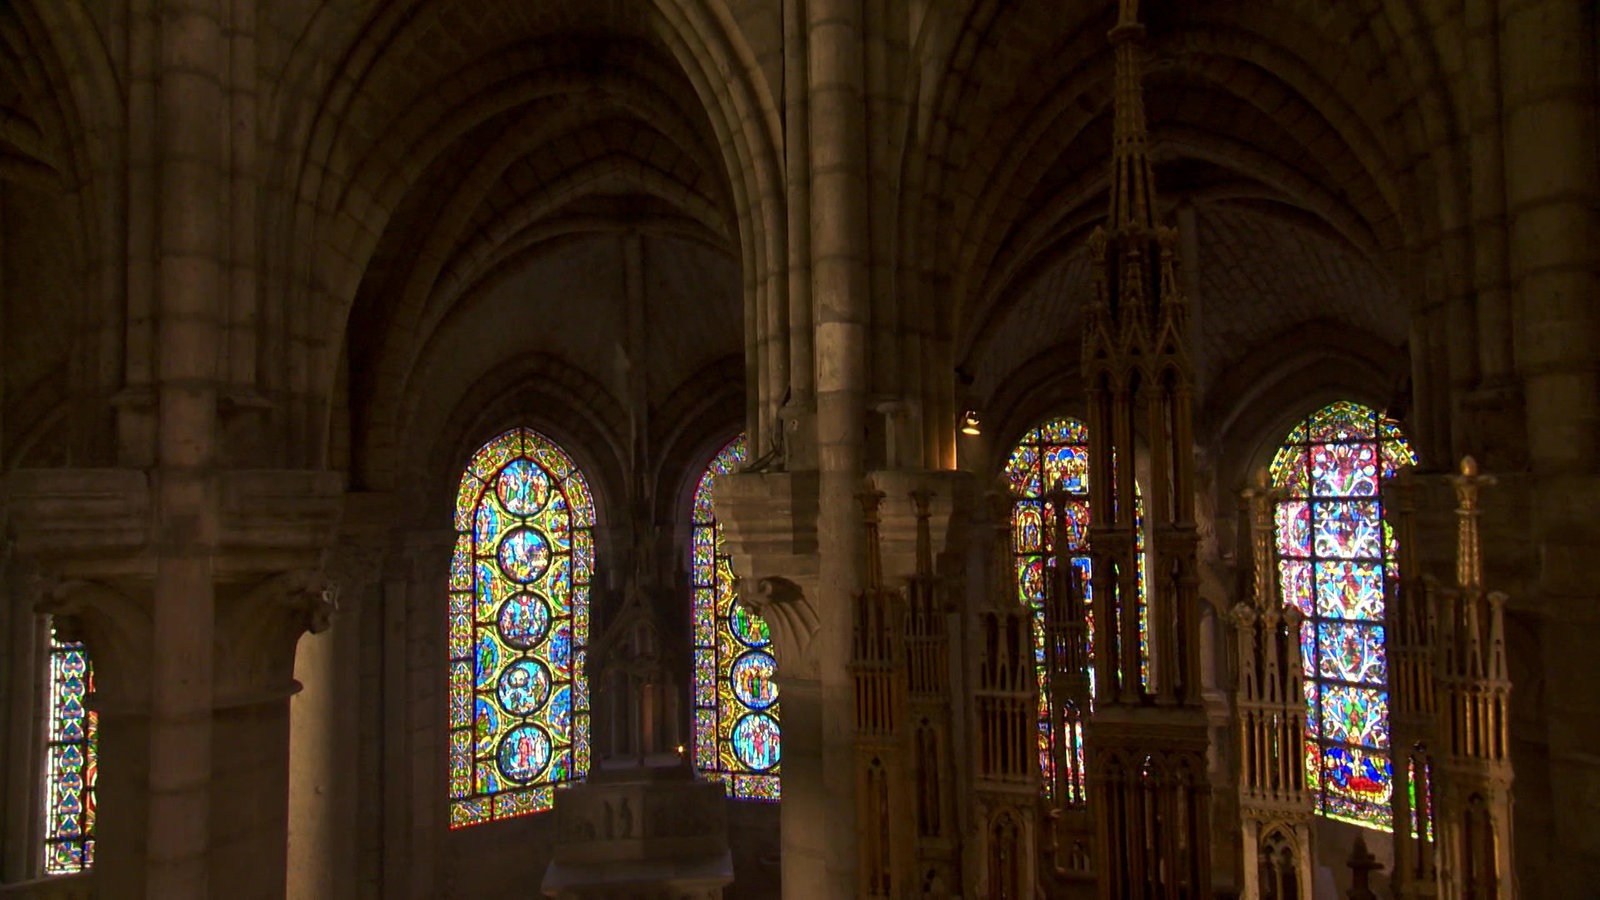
<point>524,555</point>
<point>523,487</point>
<point>755,741</point>
<point>751,677</point>
<point>747,626</point>
<point>524,752</point>
<point>524,620</point>
<point>524,687</point>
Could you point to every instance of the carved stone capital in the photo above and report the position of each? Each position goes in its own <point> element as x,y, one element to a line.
<point>791,618</point>
<point>257,628</point>
<point>98,523</point>
<point>769,526</point>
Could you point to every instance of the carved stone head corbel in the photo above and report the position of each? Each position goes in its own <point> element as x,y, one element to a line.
<point>791,618</point>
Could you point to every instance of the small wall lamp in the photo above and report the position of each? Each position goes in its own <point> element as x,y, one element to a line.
<point>970,423</point>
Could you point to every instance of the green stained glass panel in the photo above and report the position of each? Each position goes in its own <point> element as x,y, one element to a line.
<point>71,761</point>
<point>737,735</point>
<point>518,621</point>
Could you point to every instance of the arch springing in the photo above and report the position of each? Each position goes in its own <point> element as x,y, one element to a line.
<point>736,732</point>
<point>1335,552</point>
<point>518,628</point>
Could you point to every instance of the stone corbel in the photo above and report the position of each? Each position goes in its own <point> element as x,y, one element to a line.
<point>791,619</point>
<point>257,631</point>
<point>797,422</point>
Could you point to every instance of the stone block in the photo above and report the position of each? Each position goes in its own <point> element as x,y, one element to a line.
<point>640,831</point>
<point>78,514</point>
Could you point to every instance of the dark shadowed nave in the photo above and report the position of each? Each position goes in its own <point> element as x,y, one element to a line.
<point>802,448</point>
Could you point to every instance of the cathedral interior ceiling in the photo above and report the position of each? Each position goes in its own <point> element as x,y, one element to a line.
<point>463,170</point>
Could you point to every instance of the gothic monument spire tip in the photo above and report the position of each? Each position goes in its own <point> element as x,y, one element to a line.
<point>1133,190</point>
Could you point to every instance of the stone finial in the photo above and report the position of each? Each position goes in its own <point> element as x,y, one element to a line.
<point>1244,616</point>
<point>1469,558</point>
<point>921,498</point>
<point>1133,195</point>
<point>871,499</point>
<point>1261,497</point>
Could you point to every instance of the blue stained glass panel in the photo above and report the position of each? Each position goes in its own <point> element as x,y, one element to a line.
<point>1349,590</point>
<point>1354,715</point>
<point>1054,456</point>
<point>1067,468</point>
<point>72,761</point>
<point>1348,529</point>
<point>755,741</point>
<point>736,721</point>
<point>1335,554</point>
<point>518,624</point>
<point>1353,652</point>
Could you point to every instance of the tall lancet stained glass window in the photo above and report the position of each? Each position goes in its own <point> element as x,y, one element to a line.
<point>735,700</point>
<point>1055,457</point>
<point>1335,552</point>
<point>70,761</point>
<point>519,623</point>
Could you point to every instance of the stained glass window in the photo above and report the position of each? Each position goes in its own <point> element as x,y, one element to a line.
<point>1334,554</point>
<point>519,623</point>
<point>736,736</point>
<point>1055,457</point>
<point>70,764</point>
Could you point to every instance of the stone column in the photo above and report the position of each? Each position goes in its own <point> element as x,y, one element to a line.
<point>258,626</point>
<point>224,765</point>
<point>839,247</point>
<point>324,739</point>
<point>189,286</point>
<point>246,783</point>
<point>1552,187</point>
<point>769,527</point>
<point>313,772</point>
